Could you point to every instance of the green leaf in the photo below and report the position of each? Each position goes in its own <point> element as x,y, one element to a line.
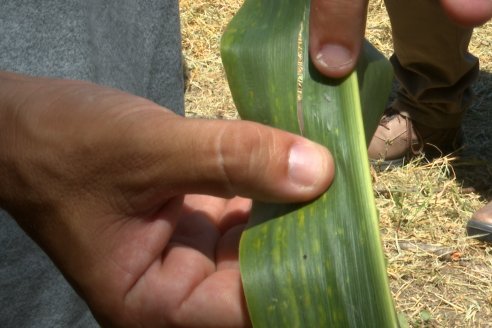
<point>259,52</point>
<point>402,320</point>
<point>425,315</point>
<point>318,264</point>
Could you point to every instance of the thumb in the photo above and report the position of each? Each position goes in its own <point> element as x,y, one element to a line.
<point>468,13</point>
<point>336,31</point>
<point>228,158</point>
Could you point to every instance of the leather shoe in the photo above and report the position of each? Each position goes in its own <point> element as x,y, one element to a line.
<point>480,224</point>
<point>398,139</point>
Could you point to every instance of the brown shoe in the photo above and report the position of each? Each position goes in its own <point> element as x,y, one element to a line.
<point>398,139</point>
<point>480,224</point>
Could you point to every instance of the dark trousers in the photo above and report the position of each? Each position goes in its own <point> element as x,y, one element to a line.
<point>431,62</point>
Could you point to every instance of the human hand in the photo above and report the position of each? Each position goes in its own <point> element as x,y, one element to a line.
<point>336,32</point>
<point>336,29</point>
<point>106,183</point>
<point>468,13</point>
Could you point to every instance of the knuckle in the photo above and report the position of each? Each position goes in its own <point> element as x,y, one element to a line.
<point>245,153</point>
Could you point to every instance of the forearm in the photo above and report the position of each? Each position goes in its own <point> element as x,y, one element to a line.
<point>31,144</point>
<point>9,105</point>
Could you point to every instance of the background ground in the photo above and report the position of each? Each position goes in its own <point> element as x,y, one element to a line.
<point>438,276</point>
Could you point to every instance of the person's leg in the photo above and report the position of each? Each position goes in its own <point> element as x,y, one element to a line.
<point>435,71</point>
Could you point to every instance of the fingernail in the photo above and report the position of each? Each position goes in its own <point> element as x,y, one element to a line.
<point>306,164</point>
<point>334,56</point>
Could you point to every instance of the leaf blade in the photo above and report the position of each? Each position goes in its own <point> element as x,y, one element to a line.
<point>305,265</point>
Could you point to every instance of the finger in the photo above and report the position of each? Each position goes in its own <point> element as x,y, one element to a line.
<point>336,31</point>
<point>192,292</point>
<point>217,302</point>
<point>222,213</point>
<point>236,212</point>
<point>211,208</point>
<point>227,250</point>
<point>469,13</point>
<point>186,291</point>
<point>229,158</point>
<point>229,218</point>
<point>189,271</point>
<point>197,228</point>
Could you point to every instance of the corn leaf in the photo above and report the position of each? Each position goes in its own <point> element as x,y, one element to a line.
<point>319,264</point>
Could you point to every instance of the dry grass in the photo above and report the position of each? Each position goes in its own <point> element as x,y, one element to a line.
<point>438,276</point>
<point>202,24</point>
